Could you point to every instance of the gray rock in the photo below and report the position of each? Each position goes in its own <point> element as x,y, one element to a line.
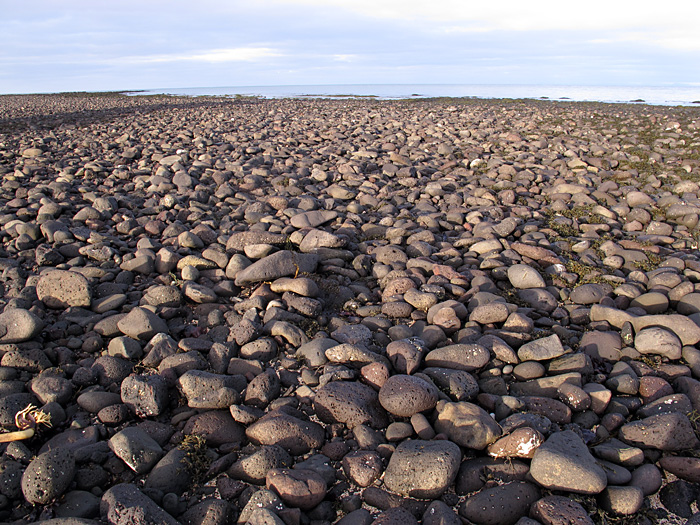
<point>423,469</point>
<point>291,433</point>
<point>172,473</point>
<point>312,219</point>
<point>217,427</point>
<point>467,357</point>
<point>354,334</point>
<point>559,510</point>
<point>280,264</point>
<point>563,462</point>
<point>403,395</point>
<point>209,512</point>
<point>136,448</point>
<point>668,432</point>
<point>239,240</point>
<point>621,500</point>
<point>363,467</point>
<point>62,289</point>
<point>656,340</point>
<point>590,293</point>
<point>458,384</point>
<point>125,503</point>
<point>78,504</point>
<point>18,325</point>
<point>145,395</point>
<point>142,324</point>
<point>52,388</point>
<point>523,276</point>
<point>351,403</point>
<point>541,349</point>
<point>297,487</point>
<point>207,390</point>
<point>466,424</point>
<point>258,510</point>
<point>48,476</point>
<point>500,505</point>
<point>254,468</point>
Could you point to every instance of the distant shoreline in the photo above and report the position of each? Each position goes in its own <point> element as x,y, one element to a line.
<point>650,95</point>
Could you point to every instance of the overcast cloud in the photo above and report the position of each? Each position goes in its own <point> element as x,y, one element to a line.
<point>83,45</point>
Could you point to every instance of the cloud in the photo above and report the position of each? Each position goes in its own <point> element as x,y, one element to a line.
<point>236,54</point>
<point>618,19</point>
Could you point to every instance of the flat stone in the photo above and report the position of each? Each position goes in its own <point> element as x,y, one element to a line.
<point>136,448</point>
<point>466,424</point>
<point>142,324</point>
<point>541,349</point>
<point>559,510</point>
<point>668,432</point>
<point>656,340</point>
<point>62,289</point>
<point>291,433</point>
<point>18,325</point>
<point>280,264</point>
<point>350,403</point>
<point>522,276</point>
<point>500,505</point>
<point>423,469</point>
<point>404,395</point>
<point>563,462</point>
<point>467,357</point>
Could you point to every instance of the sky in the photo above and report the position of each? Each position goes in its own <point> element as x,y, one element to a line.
<point>94,45</point>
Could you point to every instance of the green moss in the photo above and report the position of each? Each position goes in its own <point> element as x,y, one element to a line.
<point>652,263</point>
<point>586,273</point>
<point>196,459</point>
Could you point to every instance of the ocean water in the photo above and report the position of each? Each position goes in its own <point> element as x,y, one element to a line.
<point>656,95</point>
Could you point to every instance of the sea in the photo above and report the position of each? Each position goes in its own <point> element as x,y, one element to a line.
<point>655,95</point>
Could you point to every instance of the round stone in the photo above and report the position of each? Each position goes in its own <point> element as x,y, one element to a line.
<point>403,395</point>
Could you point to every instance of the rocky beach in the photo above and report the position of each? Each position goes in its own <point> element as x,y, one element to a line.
<point>306,312</point>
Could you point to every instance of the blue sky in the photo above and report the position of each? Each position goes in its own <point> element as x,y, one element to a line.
<point>83,45</point>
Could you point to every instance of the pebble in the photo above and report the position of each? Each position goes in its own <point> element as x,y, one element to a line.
<point>404,396</point>
<point>668,432</point>
<point>124,503</point>
<point>466,424</point>
<point>559,510</point>
<point>423,469</point>
<point>563,462</point>
<point>502,504</point>
<point>136,448</point>
<point>48,476</point>
<point>293,434</point>
<point>522,276</point>
<point>18,325</point>
<point>541,349</point>
<point>297,487</point>
<point>255,467</point>
<point>350,403</point>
